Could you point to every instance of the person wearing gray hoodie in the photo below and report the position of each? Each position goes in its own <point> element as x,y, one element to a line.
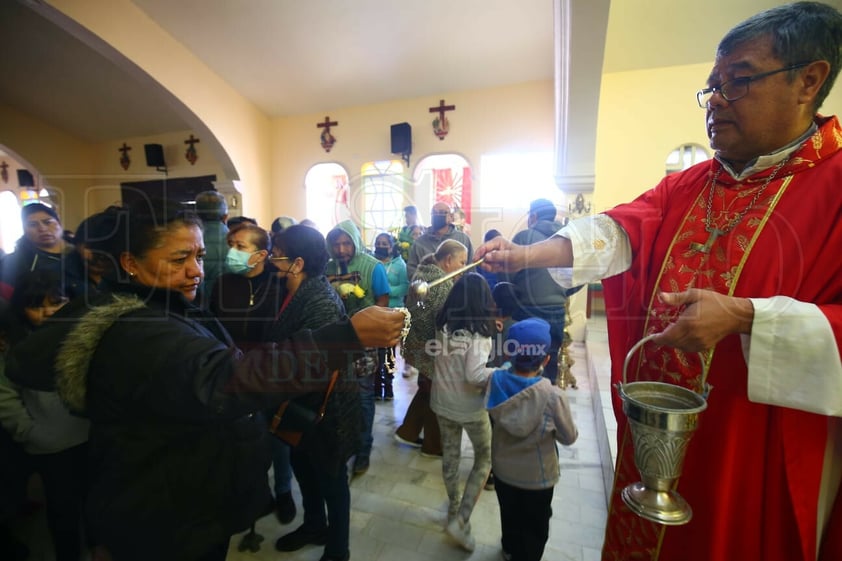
<point>529,415</point>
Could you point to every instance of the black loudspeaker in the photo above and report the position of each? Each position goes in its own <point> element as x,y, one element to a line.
<point>25,178</point>
<point>154,155</point>
<point>402,139</point>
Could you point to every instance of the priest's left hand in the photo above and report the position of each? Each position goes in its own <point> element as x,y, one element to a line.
<point>705,318</point>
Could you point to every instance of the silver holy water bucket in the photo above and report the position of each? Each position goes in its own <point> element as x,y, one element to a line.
<point>662,418</point>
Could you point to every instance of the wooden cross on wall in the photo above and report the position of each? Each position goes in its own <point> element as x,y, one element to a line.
<point>191,154</point>
<point>327,139</point>
<point>4,172</point>
<point>125,161</point>
<point>440,124</point>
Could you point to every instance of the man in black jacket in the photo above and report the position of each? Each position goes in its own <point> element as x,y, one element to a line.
<point>537,294</point>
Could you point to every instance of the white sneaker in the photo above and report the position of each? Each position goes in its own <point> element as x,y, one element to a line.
<point>417,444</point>
<point>409,371</point>
<point>462,534</point>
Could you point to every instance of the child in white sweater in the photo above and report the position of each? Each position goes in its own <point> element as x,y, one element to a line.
<point>464,329</point>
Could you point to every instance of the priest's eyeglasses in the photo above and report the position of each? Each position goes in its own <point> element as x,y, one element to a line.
<point>735,89</point>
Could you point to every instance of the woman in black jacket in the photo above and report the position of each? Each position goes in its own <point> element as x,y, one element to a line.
<point>178,463</point>
<point>319,462</point>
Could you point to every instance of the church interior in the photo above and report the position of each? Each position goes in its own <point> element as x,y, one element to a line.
<point>331,109</point>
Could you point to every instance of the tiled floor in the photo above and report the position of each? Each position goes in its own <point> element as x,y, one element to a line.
<point>399,505</point>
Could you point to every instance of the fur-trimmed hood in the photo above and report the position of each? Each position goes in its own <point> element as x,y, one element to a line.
<point>76,351</point>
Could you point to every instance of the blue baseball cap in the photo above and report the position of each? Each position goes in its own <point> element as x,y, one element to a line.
<point>533,341</point>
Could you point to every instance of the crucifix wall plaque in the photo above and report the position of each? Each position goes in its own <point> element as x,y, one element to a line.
<point>4,172</point>
<point>125,161</point>
<point>191,153</point>
<point>327,139</point>
<point>441,125</point>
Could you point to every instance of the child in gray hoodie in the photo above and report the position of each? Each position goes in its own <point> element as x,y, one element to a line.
<point>529,415</point>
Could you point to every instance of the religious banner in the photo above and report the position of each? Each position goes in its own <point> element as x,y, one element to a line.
<point>327,139</point>
<point>125,161</point>
<point>191,153</point>
<point>453,187</point>
<point>441,126</point>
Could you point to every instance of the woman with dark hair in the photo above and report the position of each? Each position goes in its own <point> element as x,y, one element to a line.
<point>40,247</point>
<point>319,461</point>
<point>246,298</point>
<point>464,329</point>
<point>84,269</point>
<point>178,462</point>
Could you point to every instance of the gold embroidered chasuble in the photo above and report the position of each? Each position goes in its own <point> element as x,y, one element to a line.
<point>681,239</point>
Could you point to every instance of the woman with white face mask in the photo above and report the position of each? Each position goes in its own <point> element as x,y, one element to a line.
<point>247,297</point>
<point>246,300</point>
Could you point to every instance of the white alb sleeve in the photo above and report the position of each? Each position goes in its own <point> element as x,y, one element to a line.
<point>601,249</point>
<point>793,359</point>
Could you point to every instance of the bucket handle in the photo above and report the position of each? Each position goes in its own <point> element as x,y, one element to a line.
<point>705,366</point>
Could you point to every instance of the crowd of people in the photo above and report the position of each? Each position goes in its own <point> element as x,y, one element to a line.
<point>116,438</point>
<point>150,355</point>
<point>238,325</point>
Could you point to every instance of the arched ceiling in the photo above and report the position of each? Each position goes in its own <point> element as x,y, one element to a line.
<point>292,57</point>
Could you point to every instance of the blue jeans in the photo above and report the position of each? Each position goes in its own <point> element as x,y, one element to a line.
<point>282,467</point>
<point>367,407</point>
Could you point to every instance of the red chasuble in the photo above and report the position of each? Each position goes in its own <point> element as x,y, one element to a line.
<point>752,471</point>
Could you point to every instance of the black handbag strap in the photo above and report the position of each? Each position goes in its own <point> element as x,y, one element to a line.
<point>276,418</point>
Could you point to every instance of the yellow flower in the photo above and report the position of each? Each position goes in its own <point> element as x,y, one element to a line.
<point>347,288</point>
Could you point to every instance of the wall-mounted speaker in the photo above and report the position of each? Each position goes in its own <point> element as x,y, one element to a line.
<point>402,139</point>
<point>154,155</point>
<point>25,178</point>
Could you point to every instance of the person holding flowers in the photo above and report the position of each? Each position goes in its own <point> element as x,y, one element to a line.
<point>369,286</point>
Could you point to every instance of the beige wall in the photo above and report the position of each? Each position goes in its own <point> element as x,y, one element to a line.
<point>105,187</point>
<point>87,176</point>
<point>498,120</point>
<point>643,116</point>
<point>637,128</point>
<point>240,131</point>
<point>61,162</point>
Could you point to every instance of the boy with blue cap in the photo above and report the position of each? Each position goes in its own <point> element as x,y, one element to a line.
<point>529,415</point>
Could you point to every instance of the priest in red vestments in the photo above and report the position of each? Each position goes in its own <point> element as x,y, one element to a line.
<point>735,262</point>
